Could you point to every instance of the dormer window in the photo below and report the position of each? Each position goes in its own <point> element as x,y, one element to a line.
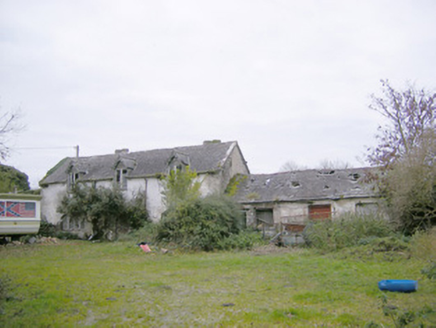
<point>123,166</point>
<point>178,161</point>
<point>73,178</point>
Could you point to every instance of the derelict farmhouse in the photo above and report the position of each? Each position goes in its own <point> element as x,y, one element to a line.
<point>285,201</point>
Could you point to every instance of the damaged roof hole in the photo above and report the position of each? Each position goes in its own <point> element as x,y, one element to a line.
<point>354,176</point>
<point>327,172</point>
<point>326,187</point>
<point>295,184</point>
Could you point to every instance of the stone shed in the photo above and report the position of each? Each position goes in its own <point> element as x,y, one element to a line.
<point>287,201</point>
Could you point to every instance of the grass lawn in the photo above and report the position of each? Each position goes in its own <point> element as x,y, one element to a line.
<point>77,283</point>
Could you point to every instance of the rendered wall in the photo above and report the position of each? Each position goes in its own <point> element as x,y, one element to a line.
<point>154,198</point>
<point>51,198</point>
<point>298,212</point>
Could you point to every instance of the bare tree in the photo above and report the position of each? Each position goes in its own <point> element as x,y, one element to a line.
<point>410,113</point>
<point>406,152</point>
<point>9,124</point>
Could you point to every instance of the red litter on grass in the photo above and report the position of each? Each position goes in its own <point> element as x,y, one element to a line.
<point>145,247</point>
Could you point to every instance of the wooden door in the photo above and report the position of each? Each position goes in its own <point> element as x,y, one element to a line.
<point>320,212</point>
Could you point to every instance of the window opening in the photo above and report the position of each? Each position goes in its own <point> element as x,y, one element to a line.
<point>121,178</point>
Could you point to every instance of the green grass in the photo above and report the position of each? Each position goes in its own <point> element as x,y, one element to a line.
<point>75,284</point>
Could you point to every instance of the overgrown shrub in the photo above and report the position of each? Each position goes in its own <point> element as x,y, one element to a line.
<point>246,239</point>
<point>423,246</point>
<point>12,180</point>
<point>348,230</point>
<point>146,233</point>
<point>201,223</point>
<point>66,235</point>
<point>106,209</point>
<point>180,186</point>
<point>47,229</point>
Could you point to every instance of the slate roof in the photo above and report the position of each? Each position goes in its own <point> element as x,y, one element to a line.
<point>304,186</point>
<point>209,157</point>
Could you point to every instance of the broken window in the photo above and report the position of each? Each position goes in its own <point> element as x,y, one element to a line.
<point>121,178</point>
<point>68,224</point>
<point>73,177</point>
<point>265,216</point>
<point>178,161</point>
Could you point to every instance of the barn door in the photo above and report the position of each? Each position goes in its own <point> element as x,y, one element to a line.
<point>320,212</point>
<point>265,217</point>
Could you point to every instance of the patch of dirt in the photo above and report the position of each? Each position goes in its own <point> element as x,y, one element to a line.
<point>47,240</point>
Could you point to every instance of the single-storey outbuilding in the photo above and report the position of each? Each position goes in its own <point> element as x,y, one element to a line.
<point>289,200</point>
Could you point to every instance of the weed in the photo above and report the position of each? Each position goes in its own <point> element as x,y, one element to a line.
<point>146,233</point>
<point>402,318</point>
<point>5,285</point>
<point>47,229</point>
<point>348,230</point>
<point>244,240</point>
<point>430,271</point>
<point>423,246</point>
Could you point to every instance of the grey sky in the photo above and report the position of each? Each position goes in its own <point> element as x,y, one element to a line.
<point>289,80</point>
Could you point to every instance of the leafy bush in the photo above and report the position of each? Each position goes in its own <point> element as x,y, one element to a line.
<point>348,230</point>
<point>47,229</point>
<point>65,235</point>
<point>200,223</point>
<point>11,179</point>
<point>106,209</point>
<point>180,186</point>
<point>146,233</point>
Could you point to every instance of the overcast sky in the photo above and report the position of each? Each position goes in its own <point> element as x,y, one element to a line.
<point>289,80</point>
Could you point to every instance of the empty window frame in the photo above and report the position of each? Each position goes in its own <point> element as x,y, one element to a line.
<point>120,178</point>
<point>72,178</point>
<point>265,216</point>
